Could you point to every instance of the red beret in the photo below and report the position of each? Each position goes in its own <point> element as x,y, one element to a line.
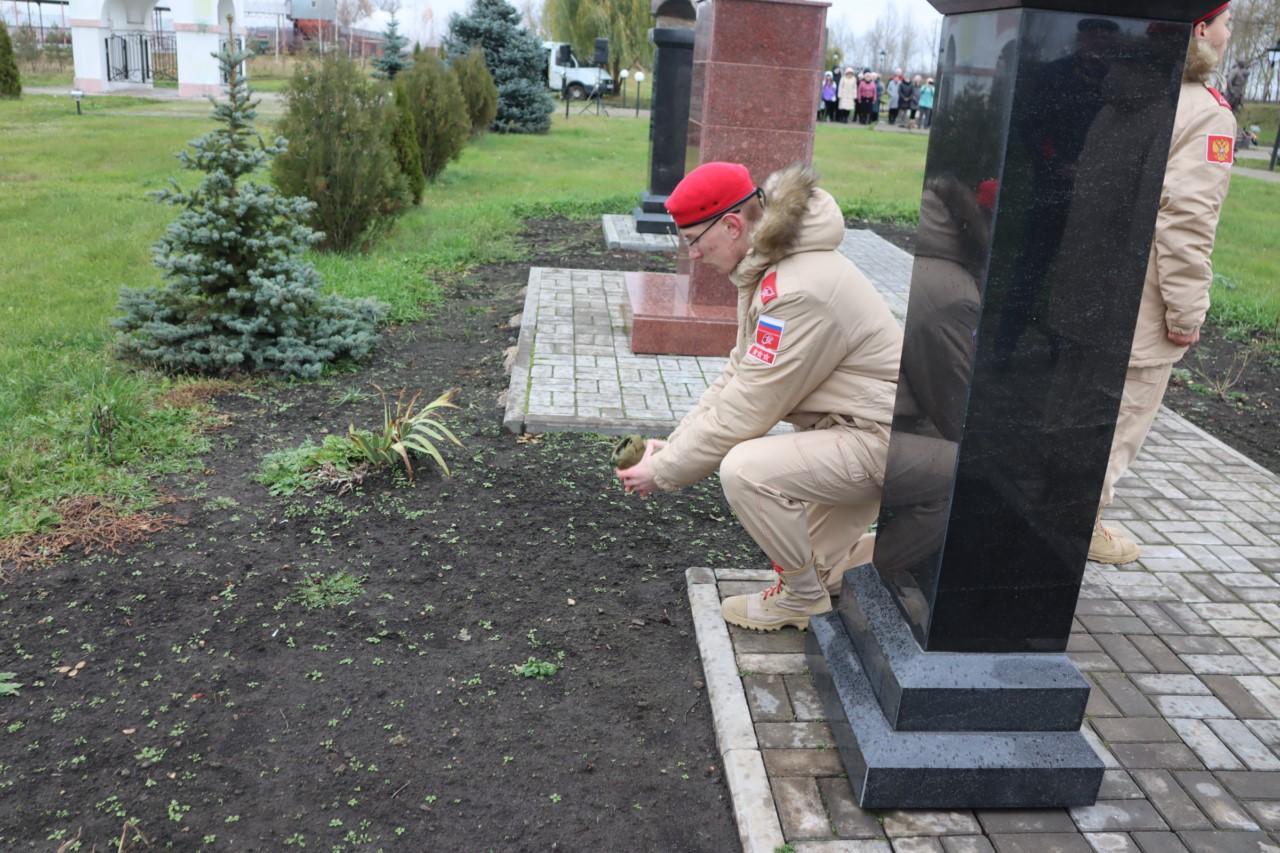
<point>708,191</point>
<point>1215,12</point>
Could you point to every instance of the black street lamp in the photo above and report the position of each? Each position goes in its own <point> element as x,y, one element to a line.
<point>1273,55</point>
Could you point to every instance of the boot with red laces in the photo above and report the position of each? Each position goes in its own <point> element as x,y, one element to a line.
<point>796,596</point>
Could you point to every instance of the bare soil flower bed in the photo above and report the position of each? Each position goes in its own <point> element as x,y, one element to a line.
<point>501,660</point>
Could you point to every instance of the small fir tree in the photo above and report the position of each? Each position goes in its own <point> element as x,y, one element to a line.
<point>515,58</point>
<point>340,126</point>
<point>478,89</point>
<point>393,59</point>
<point>10,80</point>
<point>405,143</point>
<point>441,118</point>
<point>239,295</point>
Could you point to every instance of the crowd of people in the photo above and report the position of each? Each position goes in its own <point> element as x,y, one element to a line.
<point>846,96</point>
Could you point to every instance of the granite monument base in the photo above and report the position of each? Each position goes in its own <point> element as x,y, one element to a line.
<point>665,321</point>
<point>651,216</point>
<point>922,729</point>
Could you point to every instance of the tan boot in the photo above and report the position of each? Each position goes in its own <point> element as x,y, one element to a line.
<point>1108,546</point>
<point>791,601</point>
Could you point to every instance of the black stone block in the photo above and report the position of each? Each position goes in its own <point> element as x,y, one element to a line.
<point>651,203</point>
<point>653,223</point>
<point>948,691</point>
<point>943,770</point>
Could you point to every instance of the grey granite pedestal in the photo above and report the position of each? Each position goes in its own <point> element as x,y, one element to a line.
<point>921,729</point>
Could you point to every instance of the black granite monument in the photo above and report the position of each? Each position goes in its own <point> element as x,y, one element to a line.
<point>943,667</point>
<point>668,125</point>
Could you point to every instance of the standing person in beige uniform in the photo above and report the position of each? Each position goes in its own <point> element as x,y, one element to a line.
<point>1175,297</point>
<point>816,347</point>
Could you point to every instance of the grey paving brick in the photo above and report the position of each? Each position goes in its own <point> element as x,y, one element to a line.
<point>1219,664</point>
<point>794,736</point>
<point>804,698</point>
<point>1134,730</point>
<point>1123,815</point>
<point>1007,821</point>
<point>1059,842</point>
<point>1195,707</point>
<point>966,844</point>
<point>1160,655</point>
<point>1121,691</point>
<point>1111,842</point>
<point>802,762</point>
<point>1215,802</point>
<point>767,698</point>
<point>1124,653</point>
<point>1205,744</point>
<point>847,818</point>
<point>1114,625</point>
<point>923,822</point>
<point>1199,645</point>
<point>1118,785</point>
<point>1159,842</point>
<point>1164,792</point>
<point>762,642</point>
<point>1099,705</point>
<point>1240,740</point>
<point>1233,694</point>
<point>1251,785</point>
<point>800,808</point>
<point>1265,812</point>
<point>1168,756</point>
<point>918,844</point>
<point>1209,841</point>
<point>1172,684</point>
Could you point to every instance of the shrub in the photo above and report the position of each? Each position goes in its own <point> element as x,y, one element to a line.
<point>10,81</point>
<point>439,113</point>
<point>340,126</point>
<point>239,295</point>
<point>515,59</point>
<point>478,89</point>
<point>405,142</point>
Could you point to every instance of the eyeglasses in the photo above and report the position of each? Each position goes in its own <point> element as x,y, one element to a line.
<point>715,220</point>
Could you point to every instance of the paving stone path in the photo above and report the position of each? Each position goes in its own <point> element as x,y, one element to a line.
<point>1182,648</point>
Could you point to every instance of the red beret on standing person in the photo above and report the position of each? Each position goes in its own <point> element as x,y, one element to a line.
<point>708,191</point>
<point>1217,10</point>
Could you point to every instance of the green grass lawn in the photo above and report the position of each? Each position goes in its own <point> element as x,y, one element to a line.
<point>1265,116</point>
<point>78,225</point>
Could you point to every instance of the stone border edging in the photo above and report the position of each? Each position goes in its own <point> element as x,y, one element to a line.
<point>518,389</point>
<point>759,827</point>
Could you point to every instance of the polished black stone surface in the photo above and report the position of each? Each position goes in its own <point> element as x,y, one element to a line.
<point>952,691</point>
<point>1043,178</point>
<point>946,770</point>
<point>1184,11</point>
<point>669,120</point>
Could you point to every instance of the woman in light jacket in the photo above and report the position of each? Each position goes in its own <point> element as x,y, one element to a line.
<point>847,97</point>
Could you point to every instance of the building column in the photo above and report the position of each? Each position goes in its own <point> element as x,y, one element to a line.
<point>89,53</point>
<point>198,72</point>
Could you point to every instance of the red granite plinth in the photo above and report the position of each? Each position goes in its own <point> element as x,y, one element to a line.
<point>664,321</point>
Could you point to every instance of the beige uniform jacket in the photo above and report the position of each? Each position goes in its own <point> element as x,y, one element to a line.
<point>1175,296</point>
<point>817,346</point>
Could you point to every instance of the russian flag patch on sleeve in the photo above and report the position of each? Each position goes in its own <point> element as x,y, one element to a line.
<point>768,339</point>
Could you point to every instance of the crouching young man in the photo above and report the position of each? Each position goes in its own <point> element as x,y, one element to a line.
<point>816,347</point>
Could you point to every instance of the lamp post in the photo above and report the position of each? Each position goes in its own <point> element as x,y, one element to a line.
<point>1273,55</point>
<point>78,94</point>
<point>882,56</point>
<point>624,74</point>
<point>639,80</point>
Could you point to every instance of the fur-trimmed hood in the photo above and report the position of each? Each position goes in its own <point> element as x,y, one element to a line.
<point>798,217</point>
<point>1202,61</point>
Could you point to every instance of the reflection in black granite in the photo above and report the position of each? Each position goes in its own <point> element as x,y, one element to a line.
<point>1043,179</point>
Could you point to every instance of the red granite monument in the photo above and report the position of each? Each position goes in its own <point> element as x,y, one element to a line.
<point>756,68</point>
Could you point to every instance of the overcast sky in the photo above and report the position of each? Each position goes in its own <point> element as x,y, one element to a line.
<point>859,15</point>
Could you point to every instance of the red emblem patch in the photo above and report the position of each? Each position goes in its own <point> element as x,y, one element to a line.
<point>768,339</point>
<point>769,288</point>
<point>1220,150</point>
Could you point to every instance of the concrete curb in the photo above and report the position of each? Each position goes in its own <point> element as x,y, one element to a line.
<point>759,827</point>
<point>620,234</point>
<point>518,389</point>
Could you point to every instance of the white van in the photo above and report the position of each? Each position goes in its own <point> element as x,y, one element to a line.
<point>577,79</point>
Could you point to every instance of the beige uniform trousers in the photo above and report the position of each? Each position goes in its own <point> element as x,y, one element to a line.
<point>807,497</point>
<point>1144,388</point>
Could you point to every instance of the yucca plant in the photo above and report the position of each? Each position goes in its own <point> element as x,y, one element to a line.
<point>408,429</point>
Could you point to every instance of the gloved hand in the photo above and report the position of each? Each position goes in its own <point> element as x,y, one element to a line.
<point>627,451</point>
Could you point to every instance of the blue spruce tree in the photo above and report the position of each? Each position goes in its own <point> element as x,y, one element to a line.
<point>393,59</point>
<point>239,297</point>
<point>515,58</point>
